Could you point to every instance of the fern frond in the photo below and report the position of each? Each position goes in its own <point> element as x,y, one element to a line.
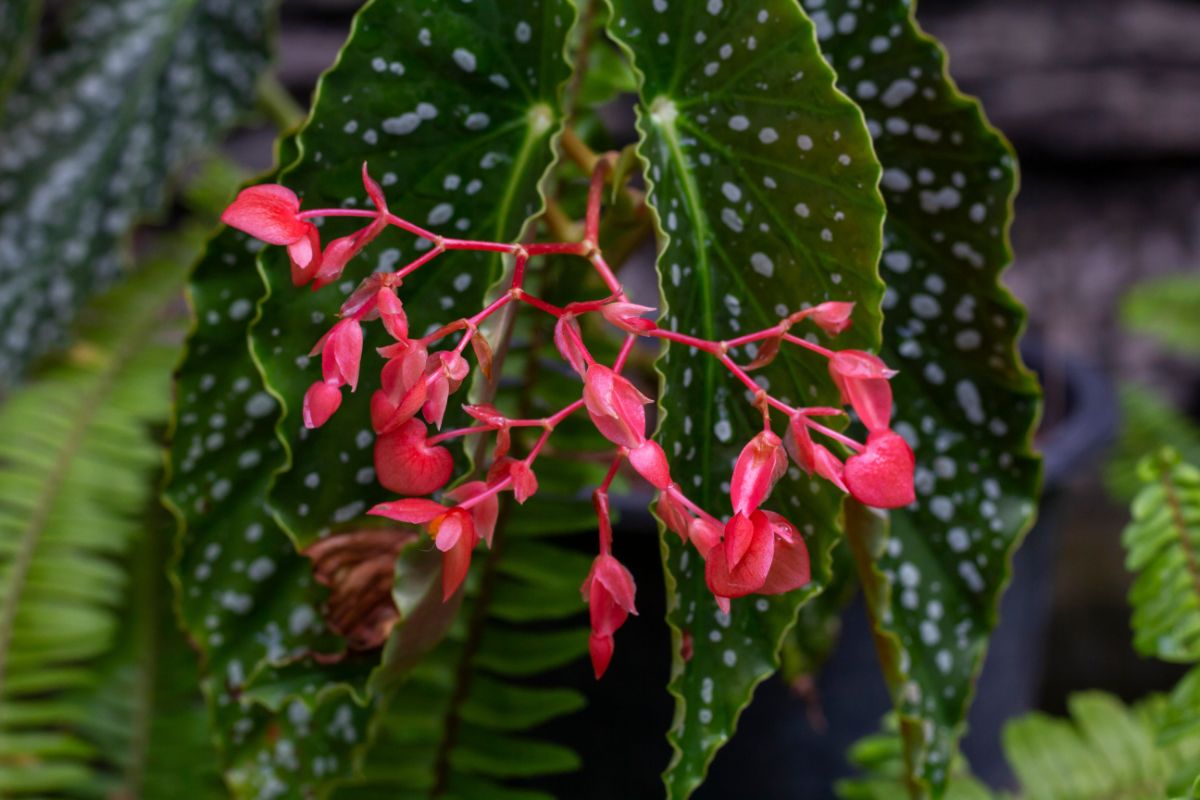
<point>1163,548</point>
<point>1148,423</point>
<point>78,460</point>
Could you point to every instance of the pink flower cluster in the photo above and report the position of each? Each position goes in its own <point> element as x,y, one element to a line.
<point>755,551</point>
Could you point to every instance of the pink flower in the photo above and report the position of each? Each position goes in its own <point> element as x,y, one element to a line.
<point>740,563</point>
<point>609,590</point>
<point>524,482</point>
<point>403,388</point>
<point>882,474</point>
<point>862,379</point>
<point>446,372</point>
<point>271,213</point>
<point>341,352</point>
<point>407,465</point>
<point>810,456</point>
<point>615,406</point>
<point>484,513</point>
<point>760,465</point>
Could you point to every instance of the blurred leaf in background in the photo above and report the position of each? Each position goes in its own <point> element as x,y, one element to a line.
<point>104,116</point>
<point>1166,309</point>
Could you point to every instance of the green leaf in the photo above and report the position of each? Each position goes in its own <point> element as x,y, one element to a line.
<point>92,134</point>
<point>1162,545</point>
<point>819,624</point>
<point>1148,424</point>
<point>1105,751</point>
<point>18,38</point>
<point>459,135</point>
<point>1165,309</point>
<point>764,183</point>
<point>76,477</point>
<point>247,599</point>
<point>1181,718</point>
<point>963,400</point>
<point>881,758</point>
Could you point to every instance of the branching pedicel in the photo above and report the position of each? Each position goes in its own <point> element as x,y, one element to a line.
<point>755,551</point>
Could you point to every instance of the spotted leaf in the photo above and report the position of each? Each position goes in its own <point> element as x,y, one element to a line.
<point>764,183</point>
<point>453,112</point>
<point>91,134</point>
<point>247,598</point>
<point>963,399</point>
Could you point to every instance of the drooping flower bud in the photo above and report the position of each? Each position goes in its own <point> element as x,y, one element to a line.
<point>454,534</point>
<point>832,317</point>
<point>761,464</point>
<point>882,474</point>
<point>320,402</point>
<point>628,316</point>
<point>568,338</point>
<point>609,590</point>
<point>674,514</point>
<point>862,379</point>
<point>407,465</point>
<point>615,406</point>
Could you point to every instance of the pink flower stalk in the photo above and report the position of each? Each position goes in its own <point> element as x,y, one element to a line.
<point>756,551</point>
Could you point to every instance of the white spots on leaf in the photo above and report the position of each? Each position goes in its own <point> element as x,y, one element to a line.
<point>402,125</point>
<point>768,136</point>
<point>762,264</point>
<point>440,214</point>
<point>896,180</point>
<point>477,121</point>
<point>804,142</point>
<point>802,210</point>
<point>732,220</point>
<point>464,58</point>
<point>970,401</point>
<point>739,122</point>
<point>731,192</point>
<point>723,430</point>
<point>899,91</point>
<point>523,33</point>
<point>715,6</point>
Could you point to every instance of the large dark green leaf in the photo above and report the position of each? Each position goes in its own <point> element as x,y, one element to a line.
<point>247,598</point>
<point>453,107</point>
<point>91,135</point>
<point>764,183</point>
<point>77,467</point>
<point>17,39</point>
<point>963,400</point>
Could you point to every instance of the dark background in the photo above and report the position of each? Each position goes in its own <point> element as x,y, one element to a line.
<point>1101,99</point>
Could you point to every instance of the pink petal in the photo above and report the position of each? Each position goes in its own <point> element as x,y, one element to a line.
<point>320,401</point>
<point>705,535</point>
<point>760,465</point>
<point>406,465</point>
<point>267,212</point>
<point>437,396</point>
<point>601,650</point>
<point>374,190</point>
<point>790,566</point>
<point>728,575</point>
<point>832,317</point>
<point>568,339</point>
<point>628,316</point>
<point>305,255</point>
<point>615,406</point>
<point>416,511</point>
<point>862,379</point>
<point>650,462</point>
<point>484,513</point>
<point>882,475</point>
<point>828,466</point>
<point>456,562</point>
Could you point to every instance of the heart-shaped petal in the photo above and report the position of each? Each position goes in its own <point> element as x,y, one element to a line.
<point>406,465</point>
<point>882,474</point>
